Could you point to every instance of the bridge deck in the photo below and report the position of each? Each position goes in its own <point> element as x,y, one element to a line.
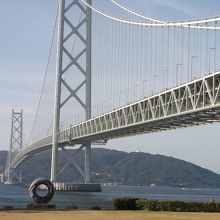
<point>194,103</point>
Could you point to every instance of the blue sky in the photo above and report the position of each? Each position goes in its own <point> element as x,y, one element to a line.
<point>26,29</point>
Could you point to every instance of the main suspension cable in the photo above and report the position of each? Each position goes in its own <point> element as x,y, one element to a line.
<point>45,76</point>
<point>185,24</point>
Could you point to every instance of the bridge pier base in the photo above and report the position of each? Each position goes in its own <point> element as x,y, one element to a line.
<point>77,187</point>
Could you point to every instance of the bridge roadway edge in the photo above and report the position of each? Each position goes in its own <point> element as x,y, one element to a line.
<point>193,117</point>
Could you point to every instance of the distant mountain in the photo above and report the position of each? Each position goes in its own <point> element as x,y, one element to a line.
<point>124,168</point>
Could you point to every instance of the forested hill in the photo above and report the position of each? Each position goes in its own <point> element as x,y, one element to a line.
<point>110,166</point>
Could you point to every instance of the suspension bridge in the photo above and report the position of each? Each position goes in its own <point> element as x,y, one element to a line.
<point>119,73</point>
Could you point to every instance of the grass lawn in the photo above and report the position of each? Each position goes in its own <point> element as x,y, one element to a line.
<point>104,215</point>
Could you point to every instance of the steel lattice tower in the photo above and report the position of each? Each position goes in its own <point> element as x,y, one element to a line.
<point>84,69</point>
<point>16,139</point>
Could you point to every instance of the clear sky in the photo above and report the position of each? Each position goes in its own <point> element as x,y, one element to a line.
<point>26,29</point>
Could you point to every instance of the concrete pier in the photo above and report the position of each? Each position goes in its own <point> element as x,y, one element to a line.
<point>78,187</point>
<point>1,178</point>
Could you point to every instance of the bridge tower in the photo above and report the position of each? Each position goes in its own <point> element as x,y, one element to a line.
<point>2,178</point>
<point>66,30</point>
<point>16,139</point>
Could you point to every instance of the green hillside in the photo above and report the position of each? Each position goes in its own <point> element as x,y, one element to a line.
<point>110,166</point>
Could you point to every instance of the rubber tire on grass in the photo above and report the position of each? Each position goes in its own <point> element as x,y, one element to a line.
<point>33,191</point>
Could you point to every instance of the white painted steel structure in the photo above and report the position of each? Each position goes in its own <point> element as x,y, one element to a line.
<point>16,142</point>
<point>84,68</point>
<point>1,178</point>
<point>194,103</point>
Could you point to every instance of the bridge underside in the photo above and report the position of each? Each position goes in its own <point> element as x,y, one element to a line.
<point>192,104</point>
<point>182,121</point>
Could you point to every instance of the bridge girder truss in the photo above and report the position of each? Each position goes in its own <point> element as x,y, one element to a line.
<point>192,104</point>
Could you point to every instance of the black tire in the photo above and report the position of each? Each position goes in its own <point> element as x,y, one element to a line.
<point>33,191</point>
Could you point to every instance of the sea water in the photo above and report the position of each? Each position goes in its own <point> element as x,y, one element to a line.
<point>18,196</point>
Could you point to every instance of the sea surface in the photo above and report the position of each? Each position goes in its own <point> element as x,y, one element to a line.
<point>18,196</point>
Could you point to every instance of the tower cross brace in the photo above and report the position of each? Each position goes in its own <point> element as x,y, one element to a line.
<point>84,69</point>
